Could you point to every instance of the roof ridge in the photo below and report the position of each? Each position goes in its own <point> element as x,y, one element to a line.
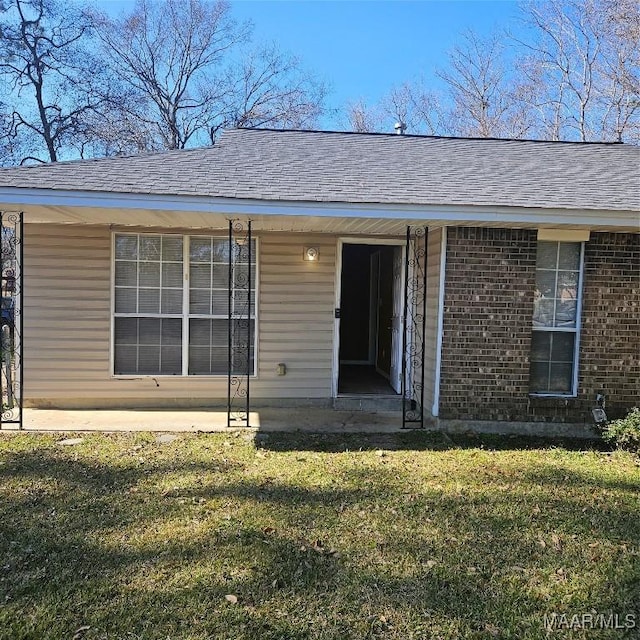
<point>425,136</point>
<point>240,130</point>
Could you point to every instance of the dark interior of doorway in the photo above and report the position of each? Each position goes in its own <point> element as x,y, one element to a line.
<point>366,307</point>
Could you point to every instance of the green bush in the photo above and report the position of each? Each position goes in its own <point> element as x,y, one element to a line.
<point>625,432</point>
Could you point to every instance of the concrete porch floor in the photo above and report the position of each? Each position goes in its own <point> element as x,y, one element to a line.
<point>268,419</point>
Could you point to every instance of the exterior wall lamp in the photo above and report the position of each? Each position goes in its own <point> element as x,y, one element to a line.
<point>311,254</point>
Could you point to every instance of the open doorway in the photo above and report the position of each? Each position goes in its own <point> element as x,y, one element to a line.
<point>370,320</point>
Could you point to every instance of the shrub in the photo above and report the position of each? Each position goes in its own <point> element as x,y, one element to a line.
<point>625,432</point>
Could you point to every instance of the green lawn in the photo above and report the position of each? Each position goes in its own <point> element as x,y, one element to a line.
<point>314,537</point>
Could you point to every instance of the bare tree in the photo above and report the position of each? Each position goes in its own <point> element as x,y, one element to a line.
<point>427,112</point>
<point>399,106</point>
<point>118,129</point>
<point>581,66</point>
<point>51,87</point>
<point>269,89</point>
<point>183,65</point>
<point>560,68</point>
<point>573,75</point>
<point>483,97</point>
<point>479,99</point>
<point>361,118</point>
<point>166,54</point>
<point>620,69</point>
<point>409,103</point>
<point>6,151</point>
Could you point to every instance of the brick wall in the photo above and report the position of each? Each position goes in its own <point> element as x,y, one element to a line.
<point>490,279</point>
<point>610,337</point>
<point>488,304</point>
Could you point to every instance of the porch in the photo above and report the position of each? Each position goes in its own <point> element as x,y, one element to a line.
<point>296,352</point>
<point>312,420</point>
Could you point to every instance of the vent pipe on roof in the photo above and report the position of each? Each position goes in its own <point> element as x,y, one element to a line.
<point>400,128</point>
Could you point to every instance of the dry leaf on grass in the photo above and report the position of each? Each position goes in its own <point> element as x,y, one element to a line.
<point>79,633</point>
<point>557,543</point>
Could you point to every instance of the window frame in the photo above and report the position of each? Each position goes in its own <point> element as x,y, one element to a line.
<point>577,330</point>
<point>185,316</point>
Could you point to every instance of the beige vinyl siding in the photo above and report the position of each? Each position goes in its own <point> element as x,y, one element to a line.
<point>67,324</point>
<point>434,246</point>
<point>296,323</point>
<point>66,310</point>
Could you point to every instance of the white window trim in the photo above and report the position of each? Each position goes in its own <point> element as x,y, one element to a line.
<point>577,330</point>
<point>185,315</point>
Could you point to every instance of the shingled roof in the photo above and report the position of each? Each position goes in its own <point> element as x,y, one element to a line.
<point>318,166</point>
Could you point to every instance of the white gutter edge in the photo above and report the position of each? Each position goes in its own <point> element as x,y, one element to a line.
<point>246,207</point>
<point>443,264</point>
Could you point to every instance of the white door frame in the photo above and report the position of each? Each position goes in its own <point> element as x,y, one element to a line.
<point>400,321</point>
<point>389,242</point>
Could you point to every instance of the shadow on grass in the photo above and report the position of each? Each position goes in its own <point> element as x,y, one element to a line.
<point>416,440</point>
<point>563,478</point>
<point>70,557</point>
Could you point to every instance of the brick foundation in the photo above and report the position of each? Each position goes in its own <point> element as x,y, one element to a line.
<point>488,307</point>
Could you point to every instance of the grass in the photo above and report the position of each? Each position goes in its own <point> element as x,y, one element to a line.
<point>313,537</point>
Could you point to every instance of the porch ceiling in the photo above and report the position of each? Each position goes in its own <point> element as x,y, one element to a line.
<point>344,221</point>
<point>182,212</point>
<point>213,220</point>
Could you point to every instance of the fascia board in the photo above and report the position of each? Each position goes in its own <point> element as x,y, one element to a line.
<point>20,198</point>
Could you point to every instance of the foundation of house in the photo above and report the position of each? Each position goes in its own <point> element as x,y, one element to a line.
<point>307,419</point>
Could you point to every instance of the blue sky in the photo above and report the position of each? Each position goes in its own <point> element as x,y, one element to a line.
<point>362,48</point>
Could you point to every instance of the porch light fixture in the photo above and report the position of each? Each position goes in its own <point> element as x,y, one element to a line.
<point>311,254</point>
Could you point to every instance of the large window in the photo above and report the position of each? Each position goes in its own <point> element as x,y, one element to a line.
<point>164,327</point>
<point>556,317</point>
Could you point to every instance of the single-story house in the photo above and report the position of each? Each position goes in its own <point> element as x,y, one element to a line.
<point>481,280</point>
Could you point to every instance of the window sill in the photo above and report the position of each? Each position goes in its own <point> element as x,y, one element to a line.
<point>169,376</point>
<point>553,395</point>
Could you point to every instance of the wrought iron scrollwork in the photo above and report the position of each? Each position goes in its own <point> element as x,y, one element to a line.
<point>415,299</point>
<point>11,326</point>
<point>240,323</point>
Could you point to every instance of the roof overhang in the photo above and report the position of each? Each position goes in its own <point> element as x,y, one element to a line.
<point>171,211</point>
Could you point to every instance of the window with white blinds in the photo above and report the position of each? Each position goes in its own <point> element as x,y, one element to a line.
<point>556,318</point>
<point>171,305</point>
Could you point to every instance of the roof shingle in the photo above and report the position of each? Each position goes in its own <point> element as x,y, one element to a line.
<point>315,166</point>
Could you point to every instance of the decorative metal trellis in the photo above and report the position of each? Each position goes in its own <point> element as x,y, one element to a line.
<point>241,324</point>
<point>11,330</point>
<point>415,301</point>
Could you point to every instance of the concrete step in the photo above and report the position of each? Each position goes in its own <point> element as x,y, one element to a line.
<point>370,403</point>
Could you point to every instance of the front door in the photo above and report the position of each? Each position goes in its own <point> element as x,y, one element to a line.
<point>370,319</point>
